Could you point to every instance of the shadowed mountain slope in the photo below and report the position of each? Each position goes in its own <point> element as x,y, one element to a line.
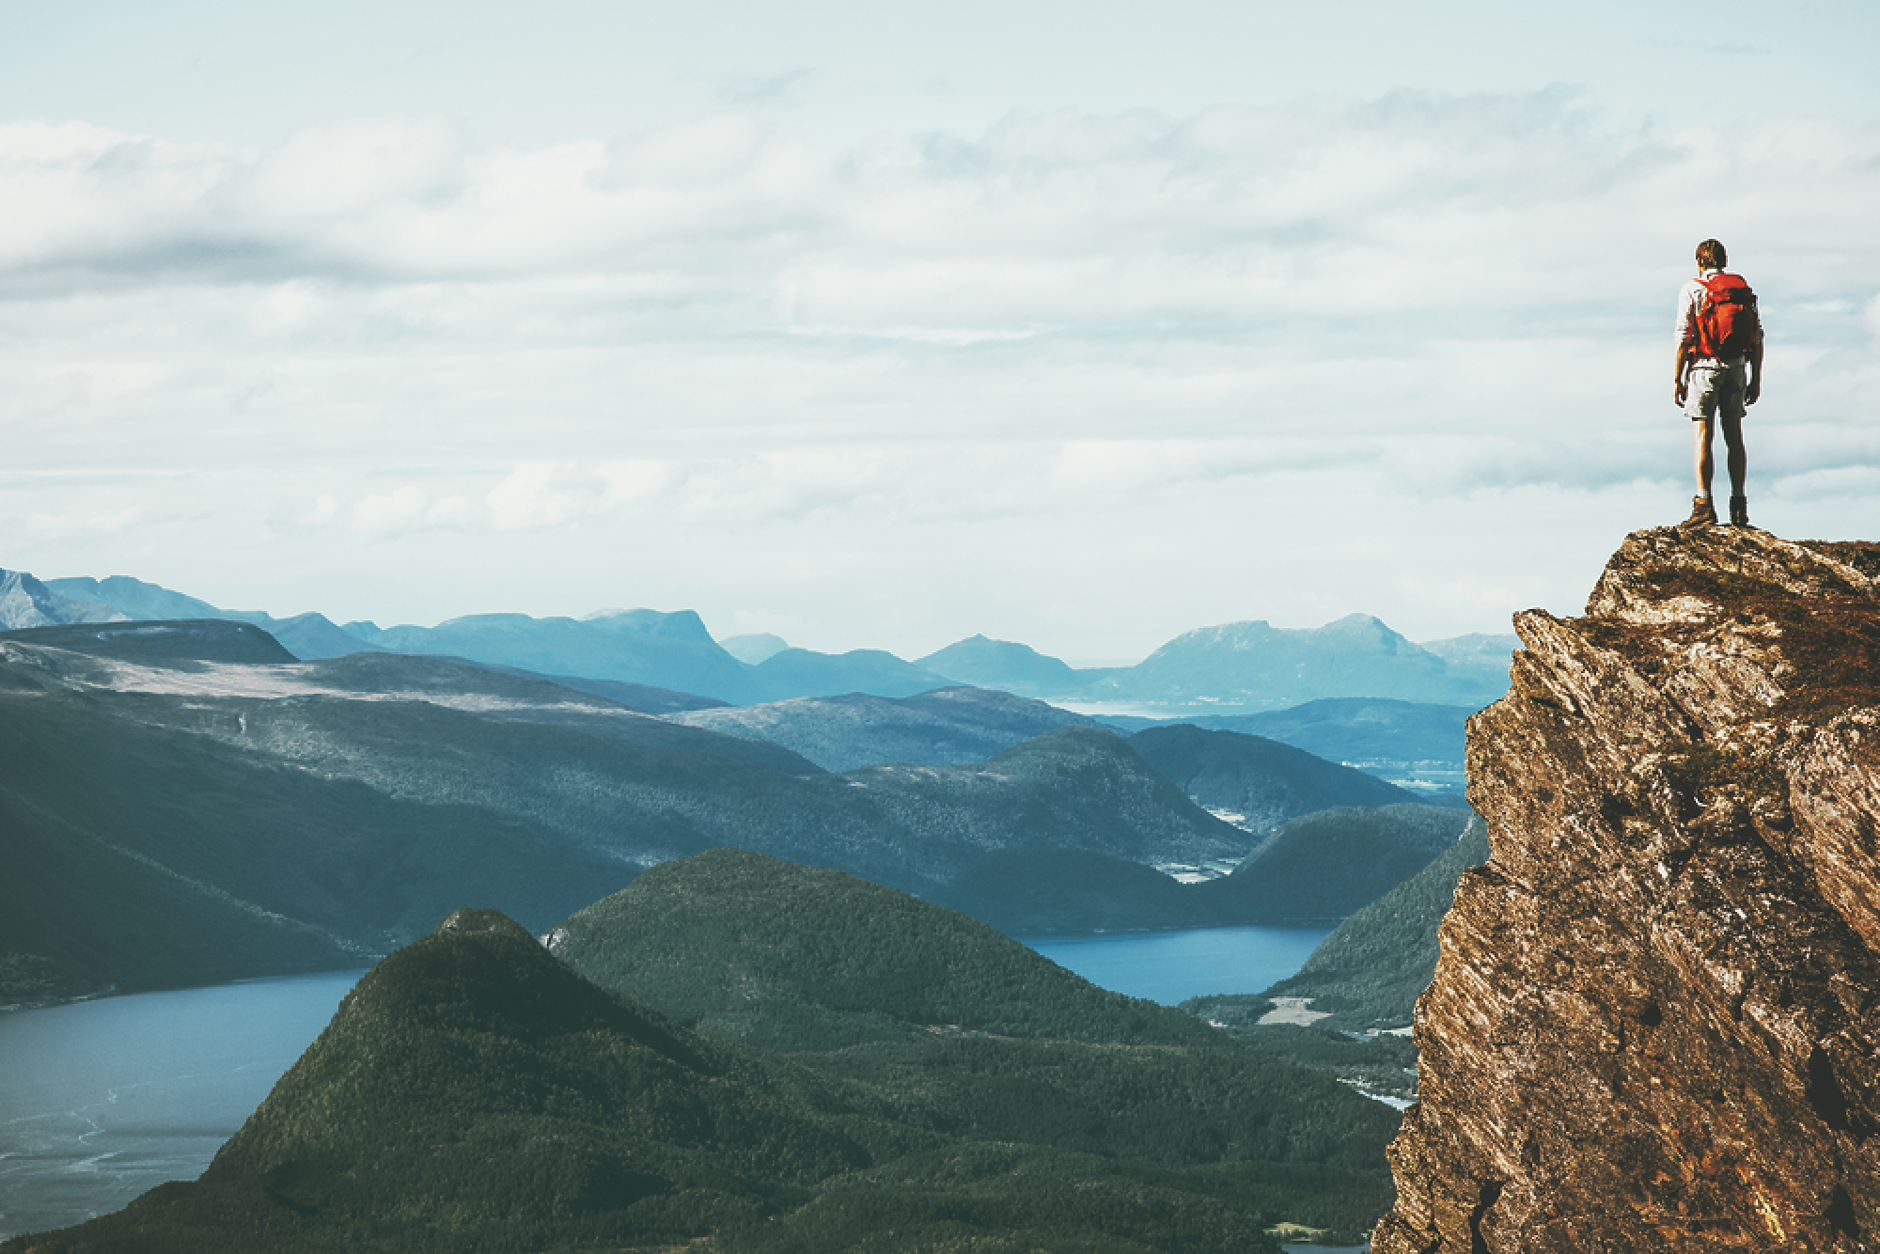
<point>1330,864</point>
<point>1031,891</point>
<point>1361,731</point>
<point>138,857</point>
<point>950,726</point>
<point>162,807</point>
<point>641,697</point>
<point>1254,782</point>
<point>1372,968</point>
<point>187,645</point>
<point>1077,789</point>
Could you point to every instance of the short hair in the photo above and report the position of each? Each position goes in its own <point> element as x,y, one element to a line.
<point>1710,255</point>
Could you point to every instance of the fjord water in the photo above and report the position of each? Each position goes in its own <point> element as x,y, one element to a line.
<point>103,1100</point>
<point>1170,967</point>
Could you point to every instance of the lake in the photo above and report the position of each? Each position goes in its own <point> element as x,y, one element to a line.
<point>1171,967</point>
<point>103,1100</point>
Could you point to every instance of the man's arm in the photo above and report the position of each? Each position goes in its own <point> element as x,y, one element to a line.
<point>1753,392</point>
<point>1677,372</point>
<point>1687,343</point>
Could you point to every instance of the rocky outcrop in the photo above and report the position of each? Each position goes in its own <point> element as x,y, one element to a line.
<point>1655,1025</point>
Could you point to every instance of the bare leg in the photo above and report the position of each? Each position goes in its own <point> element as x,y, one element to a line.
<point>1705,464</point>
<point>1736,457</point>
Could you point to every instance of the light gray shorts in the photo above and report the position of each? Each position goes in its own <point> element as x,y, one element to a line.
<point>1715,391</point>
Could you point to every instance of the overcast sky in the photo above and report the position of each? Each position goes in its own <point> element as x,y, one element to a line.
<point>874,325</point>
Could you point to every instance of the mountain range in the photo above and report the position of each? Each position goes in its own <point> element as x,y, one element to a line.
<point>185,803</point>
<point>1234,668</point>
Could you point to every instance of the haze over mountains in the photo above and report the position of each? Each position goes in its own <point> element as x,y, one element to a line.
<point>1238,667</point>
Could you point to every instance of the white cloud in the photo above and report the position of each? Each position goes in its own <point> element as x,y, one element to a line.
<point>1119,345</point>
<point>389,515</point>
<point>358,166</point>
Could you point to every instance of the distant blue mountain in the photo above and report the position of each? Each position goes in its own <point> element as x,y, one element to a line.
<point>672,651</point>
<point>1478,649</point>
<point>753,649</point>
<point>26,602</point>
<point>136,599</point>
<point>803,673</point>
<point>309,637</point>
<point>1363,731</point>
<point>1015,668</point>
<point>1256,666</point>
<point>1234,669</point>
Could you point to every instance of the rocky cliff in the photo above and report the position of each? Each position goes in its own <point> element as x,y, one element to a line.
<point>1655,1025</point>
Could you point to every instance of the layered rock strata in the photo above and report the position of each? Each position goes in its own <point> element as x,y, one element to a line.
<point>1655,1025</point>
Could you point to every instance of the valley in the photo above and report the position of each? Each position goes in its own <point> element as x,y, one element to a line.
<point>192,802</point>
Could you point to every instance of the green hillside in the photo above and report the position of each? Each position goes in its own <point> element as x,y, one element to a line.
<point>1329,864</point>
<point>1370,971</point>
<point>475,1094</point>
<point>771,953</point>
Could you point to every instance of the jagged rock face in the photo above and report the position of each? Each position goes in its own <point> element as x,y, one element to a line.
<point>1655,1025</point>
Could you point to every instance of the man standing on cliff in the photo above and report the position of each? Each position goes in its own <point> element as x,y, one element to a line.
<point>1719,372</point>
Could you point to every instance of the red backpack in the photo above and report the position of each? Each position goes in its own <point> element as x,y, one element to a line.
<point>1727,325</point>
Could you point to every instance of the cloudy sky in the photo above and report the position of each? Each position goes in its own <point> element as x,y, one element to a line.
<point>877,325</point>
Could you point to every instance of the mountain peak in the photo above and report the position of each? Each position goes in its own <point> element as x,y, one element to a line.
<point>26,602</point>
<point>465,919</point>
<point>1651,1027</point>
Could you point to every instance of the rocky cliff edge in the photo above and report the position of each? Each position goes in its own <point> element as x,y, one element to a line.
<point>1655,1025</point>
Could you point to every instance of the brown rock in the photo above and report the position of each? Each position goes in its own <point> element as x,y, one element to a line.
<point>1655,1025</point>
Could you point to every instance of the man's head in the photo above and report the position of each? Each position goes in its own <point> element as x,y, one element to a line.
<point>1710,256</point>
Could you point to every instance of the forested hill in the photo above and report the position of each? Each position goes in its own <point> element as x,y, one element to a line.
<point>756,949</point>
<point>475,1095</point>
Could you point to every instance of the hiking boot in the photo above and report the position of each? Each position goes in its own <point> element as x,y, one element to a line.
<point>1739,511</point>
<point>1703,514</point>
